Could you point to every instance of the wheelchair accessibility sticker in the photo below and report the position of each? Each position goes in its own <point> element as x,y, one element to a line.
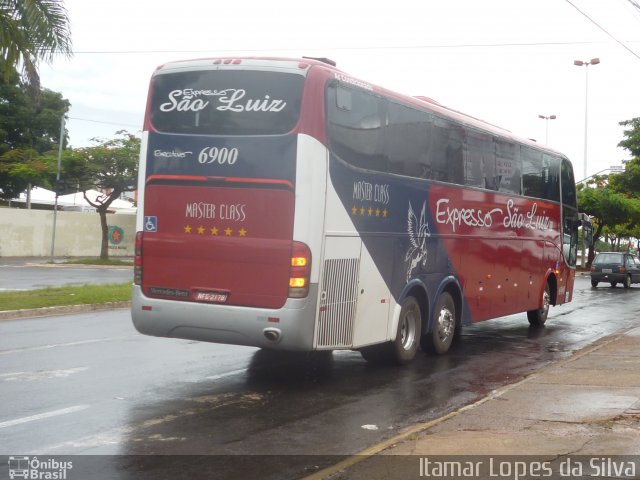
<point>151,224</point>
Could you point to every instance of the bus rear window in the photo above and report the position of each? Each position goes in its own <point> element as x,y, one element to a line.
<point>232,102</point>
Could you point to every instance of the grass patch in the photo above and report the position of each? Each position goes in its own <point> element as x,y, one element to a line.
<point>62,296</point>
<point>98,261</point>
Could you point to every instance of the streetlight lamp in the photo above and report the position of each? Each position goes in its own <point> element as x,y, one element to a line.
<point>546,121</point>
<point>580,63</point>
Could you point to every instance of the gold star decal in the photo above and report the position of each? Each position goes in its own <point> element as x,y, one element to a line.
<point>187,229</point>
<point>200,230</point>
<point>362,211</point>
<point>370,211</point>
<point>242,232</point>
<point>214,231</point>
<point>354,210</point>
<point>228,232</point>
<point>377,212</point>
<point>385,213</point>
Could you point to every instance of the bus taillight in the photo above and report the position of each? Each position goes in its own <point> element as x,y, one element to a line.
<point>300,270</point>
<point>137,261</point>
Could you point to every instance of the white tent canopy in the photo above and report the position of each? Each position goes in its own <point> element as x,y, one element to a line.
<point>73,201</point>
<point>38,195</point>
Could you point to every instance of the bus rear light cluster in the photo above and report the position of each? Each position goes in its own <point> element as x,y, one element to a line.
<point>137,260</point>
<point>300,271</point>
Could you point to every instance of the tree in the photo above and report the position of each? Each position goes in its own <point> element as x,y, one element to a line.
<point>613,200</point>
<point>31,31</point>
<point>628,182</point>
<point>110,166</point>
<point>607,208</point>
<point>18,170</point>
<point>29,127</point>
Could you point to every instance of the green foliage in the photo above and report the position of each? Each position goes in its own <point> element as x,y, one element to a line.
<point>28,122</point>
<point>29,127</point>
<point>31,31</point>
<point>628,182</point>
<point>632,134</point>
<point>18,169</point>
<point>610,211</point>
<point>111,165</point>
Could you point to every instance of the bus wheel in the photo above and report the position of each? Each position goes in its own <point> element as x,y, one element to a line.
<point>443,329</point>
<point>407,341</point>
<point>538,317</point>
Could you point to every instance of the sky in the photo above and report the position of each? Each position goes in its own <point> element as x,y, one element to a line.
<point>503,61</point>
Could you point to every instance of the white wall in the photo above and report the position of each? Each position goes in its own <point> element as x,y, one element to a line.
<point>28,233</point>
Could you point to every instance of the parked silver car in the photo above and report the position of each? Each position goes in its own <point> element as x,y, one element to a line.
<point>615,267</point>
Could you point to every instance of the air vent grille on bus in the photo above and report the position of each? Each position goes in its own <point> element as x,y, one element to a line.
<point>338,300</point>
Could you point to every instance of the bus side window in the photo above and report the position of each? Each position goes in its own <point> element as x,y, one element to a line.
<point>406,141</point>
<point>551,178</point>
<point>568,187</point>
<point>479,160</point>
<point>531,172</point>
<point>357,124</point>
<point>508,171</point>
<point>445,152</point>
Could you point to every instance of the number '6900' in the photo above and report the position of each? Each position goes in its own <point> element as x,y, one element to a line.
<point>221,156</point>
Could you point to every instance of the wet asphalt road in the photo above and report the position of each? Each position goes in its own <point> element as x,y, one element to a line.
<point>90,384</point>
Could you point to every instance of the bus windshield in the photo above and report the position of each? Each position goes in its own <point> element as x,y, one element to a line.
<point>232,102</point>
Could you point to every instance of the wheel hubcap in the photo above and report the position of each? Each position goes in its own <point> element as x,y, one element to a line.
<point>546,301</point>
<point>408,329</point>
<point>446,324</point>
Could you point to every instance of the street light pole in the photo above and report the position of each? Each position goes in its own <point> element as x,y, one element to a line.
<point>55,206</point>
<point>580,63</point>
<point>546,121</point>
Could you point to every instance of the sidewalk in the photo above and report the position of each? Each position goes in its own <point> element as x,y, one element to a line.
<point>588,404</point>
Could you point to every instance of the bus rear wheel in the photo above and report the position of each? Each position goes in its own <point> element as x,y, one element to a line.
<point>405,346</point>
<point>403,349</point>
<point>537,318</point>
<point>443,327</point>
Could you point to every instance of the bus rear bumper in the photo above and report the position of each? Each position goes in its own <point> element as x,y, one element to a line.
<point>288,328</point>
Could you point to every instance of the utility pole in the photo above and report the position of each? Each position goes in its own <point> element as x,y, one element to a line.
<point>55,205</point>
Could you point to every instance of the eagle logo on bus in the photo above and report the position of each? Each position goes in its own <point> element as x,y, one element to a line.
<point>418,231</point>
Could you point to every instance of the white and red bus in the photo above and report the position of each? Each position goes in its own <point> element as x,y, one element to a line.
<point>284,204</point>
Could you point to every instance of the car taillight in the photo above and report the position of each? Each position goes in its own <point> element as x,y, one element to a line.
<point>137,260</point>
<point>300,271</point>
<point>621,270</point>
<point>593,269</point>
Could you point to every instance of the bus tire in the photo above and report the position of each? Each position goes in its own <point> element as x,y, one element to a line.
<point>407,342</point>
<point>538,317</point>
<point>443,327</point>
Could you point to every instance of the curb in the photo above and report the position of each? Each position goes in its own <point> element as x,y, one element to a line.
<point>65,310</point>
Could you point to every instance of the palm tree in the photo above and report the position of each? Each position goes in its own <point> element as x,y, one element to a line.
<point>31,31</point>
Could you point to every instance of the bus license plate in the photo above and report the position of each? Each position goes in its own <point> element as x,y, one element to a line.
<point>211,297</point>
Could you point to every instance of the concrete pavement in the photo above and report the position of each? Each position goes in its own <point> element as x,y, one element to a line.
<point>585,405</point>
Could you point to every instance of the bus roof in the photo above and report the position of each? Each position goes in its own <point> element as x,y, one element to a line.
<point>331,71</point>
